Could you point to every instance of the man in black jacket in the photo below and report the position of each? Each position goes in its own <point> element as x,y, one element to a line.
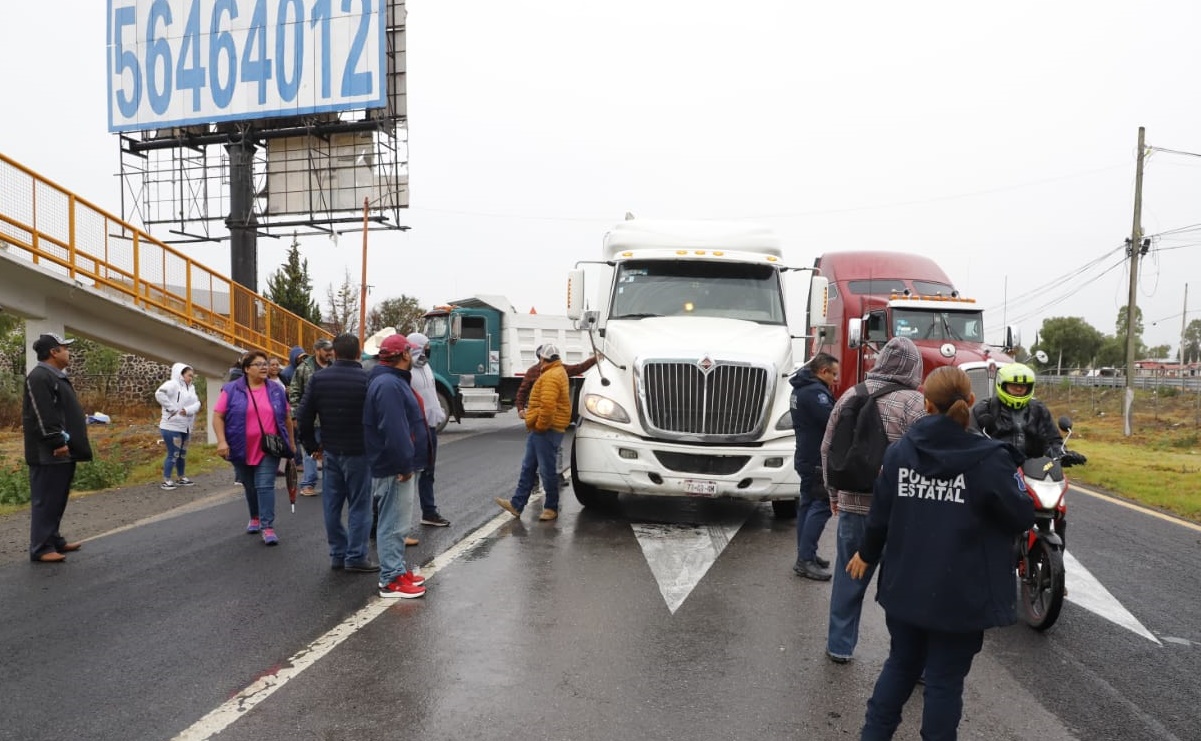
<point>811,403</point>
<point>1014,416</point>
<point>334,399</point>
<point>56,437</point>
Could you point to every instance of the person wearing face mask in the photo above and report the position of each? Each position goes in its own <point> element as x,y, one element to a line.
<point>425,388</point>
<point>322,357</point>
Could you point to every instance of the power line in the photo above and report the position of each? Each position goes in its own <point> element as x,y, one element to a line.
<point>1062,279</point>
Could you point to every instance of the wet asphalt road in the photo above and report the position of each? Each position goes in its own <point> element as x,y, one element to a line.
<point>554,631</point>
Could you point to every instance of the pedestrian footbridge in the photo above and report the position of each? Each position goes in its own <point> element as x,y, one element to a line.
<point>67,265</point>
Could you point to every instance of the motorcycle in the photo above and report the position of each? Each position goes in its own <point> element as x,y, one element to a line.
<point>1040,570</point>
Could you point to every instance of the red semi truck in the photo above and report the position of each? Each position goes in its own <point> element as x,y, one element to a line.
<point>875,296</point>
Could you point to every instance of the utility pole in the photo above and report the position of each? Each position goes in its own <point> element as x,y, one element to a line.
<point>1134,247</point>
<point>1183,328</point>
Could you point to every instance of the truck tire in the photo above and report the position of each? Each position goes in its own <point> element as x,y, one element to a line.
<point>446,410</point>
<point>785,509</point>
<point>588,495</point>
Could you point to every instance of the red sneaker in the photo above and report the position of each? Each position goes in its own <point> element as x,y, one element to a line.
<point>402,587</point>
<point>417,579</point>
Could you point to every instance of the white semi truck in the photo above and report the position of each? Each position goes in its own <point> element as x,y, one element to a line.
<point>701,324</point>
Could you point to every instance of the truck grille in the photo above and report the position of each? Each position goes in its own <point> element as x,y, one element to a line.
<point>982,387</point>
<point>681,399</point>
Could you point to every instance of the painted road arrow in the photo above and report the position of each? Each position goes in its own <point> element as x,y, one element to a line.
<point>679,556</point>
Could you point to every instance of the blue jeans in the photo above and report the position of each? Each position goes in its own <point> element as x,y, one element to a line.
<point>425,484</point>
<point>541,453</point>
<point>258,482</point>
<point>846,594</point>
<point>308,477</point>
<point>177,451</point>
<point>347,482</point>
<point>812,514</point>
<point>395,501</point>
<point>946,659</point>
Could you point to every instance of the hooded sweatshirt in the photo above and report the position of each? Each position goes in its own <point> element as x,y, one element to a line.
<point>395,433</point>
<point>423,382</point>
<point>179,401</point>
<point>947,507</point>
<point>899,362</point>
<point>294,359</point>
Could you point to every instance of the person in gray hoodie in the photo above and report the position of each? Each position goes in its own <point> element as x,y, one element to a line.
<point>899,363</point>
<point>180,406</point>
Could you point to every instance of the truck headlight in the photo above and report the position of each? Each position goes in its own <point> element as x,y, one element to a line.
<point>605,408</point>
<point>785,421</point>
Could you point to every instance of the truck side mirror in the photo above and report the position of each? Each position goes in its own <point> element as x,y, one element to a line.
<point>456,327</point>
<point>819,301</point>
<point>1013,337</point>
<point>575,294</point>
<point>854,333</point>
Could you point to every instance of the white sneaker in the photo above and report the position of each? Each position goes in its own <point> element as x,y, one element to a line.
<point>167,485</point>
<point>184,481</point>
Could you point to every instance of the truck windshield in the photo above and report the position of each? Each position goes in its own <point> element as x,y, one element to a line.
<point>436,326</point>
<point>646,288</point>
<point>927,324</point>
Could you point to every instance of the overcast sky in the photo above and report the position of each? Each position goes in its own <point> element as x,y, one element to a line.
<point>998,138</point>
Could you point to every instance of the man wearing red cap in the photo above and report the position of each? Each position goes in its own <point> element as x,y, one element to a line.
<point>395,436</point>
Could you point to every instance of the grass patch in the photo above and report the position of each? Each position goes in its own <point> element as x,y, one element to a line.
<point>1157,466</point>
<point>124,455</point>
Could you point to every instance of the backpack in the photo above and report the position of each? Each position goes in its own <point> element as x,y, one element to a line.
<point>859,441</point>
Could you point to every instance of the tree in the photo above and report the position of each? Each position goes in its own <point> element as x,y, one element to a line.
<point>343,307</point>
<point>1159,352</point>
<point>1112,353</point>
<point>403,312</point>
<point>1140,350</point>
<point>1191,351</point>
<point>292,288</point>
<point>1076,339</point>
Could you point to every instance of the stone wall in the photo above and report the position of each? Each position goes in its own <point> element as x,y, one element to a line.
<point>133,384</point>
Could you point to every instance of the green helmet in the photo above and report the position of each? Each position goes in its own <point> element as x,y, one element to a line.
<point>1015,373</point>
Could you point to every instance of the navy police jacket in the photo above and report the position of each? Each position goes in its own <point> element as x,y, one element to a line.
<point>811,403</point>
<point>947,506</point>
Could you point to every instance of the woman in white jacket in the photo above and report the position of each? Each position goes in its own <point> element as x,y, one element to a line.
<point>180,405</point>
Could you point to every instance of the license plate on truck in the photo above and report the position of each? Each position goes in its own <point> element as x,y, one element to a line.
<point>700,488</point>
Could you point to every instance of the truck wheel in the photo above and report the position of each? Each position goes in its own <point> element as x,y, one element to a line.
<point>446,410</point>
<point>588,495</point>
<point>784,509</point>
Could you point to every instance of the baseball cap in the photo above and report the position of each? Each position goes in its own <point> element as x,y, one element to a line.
<point>395,344</point>
<point>548,351</point>
<point>48,342</point>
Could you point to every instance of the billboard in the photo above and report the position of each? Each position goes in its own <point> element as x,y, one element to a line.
<point>176,63</point>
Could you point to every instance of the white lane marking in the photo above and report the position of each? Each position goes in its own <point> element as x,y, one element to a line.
<point>1085,590</point>
<point>231,710</point>
<point>680,555</point>
<point>1138,508</point>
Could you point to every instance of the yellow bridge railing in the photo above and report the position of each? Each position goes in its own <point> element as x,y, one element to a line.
<point>52,227</point>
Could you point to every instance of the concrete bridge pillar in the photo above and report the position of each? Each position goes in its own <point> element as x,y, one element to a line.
<point>213,387</point>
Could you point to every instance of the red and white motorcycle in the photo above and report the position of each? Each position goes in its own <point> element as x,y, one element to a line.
<point>1040,571</point>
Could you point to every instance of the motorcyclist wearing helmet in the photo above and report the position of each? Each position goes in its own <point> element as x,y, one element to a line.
<point>1015,416</point>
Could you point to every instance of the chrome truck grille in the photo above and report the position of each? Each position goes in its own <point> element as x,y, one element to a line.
<point>706,399</point>
<point>982,385</point>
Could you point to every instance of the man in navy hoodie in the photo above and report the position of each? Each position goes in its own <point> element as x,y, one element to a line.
<point>946,509</point>
<point>811,404</point>
<point>396,438</point>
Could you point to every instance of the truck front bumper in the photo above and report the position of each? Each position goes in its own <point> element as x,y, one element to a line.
<point>614,460</point>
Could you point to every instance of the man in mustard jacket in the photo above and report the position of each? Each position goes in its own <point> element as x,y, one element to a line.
<point>546,417</point>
